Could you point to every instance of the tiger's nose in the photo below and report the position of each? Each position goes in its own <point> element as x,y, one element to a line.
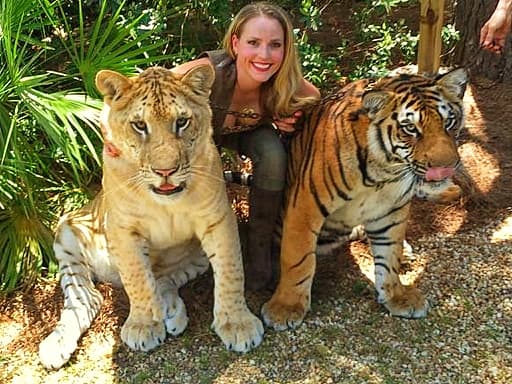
<point>163,172</point>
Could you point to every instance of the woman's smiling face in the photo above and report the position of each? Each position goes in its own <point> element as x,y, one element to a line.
<point>259,49</point>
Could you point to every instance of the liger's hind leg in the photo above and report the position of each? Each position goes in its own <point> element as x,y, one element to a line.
<point>81,300</point>
<point>175,313</point>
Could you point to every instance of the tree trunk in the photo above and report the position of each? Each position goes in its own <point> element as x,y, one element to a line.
<point>470,16</point>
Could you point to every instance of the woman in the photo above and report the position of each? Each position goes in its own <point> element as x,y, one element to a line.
<point>259,91</point>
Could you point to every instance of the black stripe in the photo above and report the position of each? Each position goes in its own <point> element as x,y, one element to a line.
<point>302,260</point>
<point>382,230</point>
<point>383,243</point>
<point>383,266</point>
<point>396,209</point>
<point>323,210</point>
<point>303,280</point>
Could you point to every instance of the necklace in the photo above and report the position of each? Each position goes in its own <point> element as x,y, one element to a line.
<point>242,119</point>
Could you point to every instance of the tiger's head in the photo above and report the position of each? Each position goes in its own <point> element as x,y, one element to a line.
<point>414,121</point>
<point>155,126</point>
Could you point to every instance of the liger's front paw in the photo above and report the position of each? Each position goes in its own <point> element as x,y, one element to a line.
<point>281,315</point>
<point>240,331</point>
<point>56,349</point>
<point>410,303</point>
<point>143,335</point>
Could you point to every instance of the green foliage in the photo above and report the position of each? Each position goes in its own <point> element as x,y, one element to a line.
<point>386,43</point>
<point>48,124</point>
<point>391,44</point>
<point>319,67</point>
<point>110,42</point>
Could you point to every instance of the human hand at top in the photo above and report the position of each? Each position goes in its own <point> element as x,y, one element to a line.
<point>494,32</point>
<point>287,124</point>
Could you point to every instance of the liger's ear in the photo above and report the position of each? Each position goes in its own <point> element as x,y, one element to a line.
<point>200,79</point>
<point>373,101</point>
<point>455,82</point>
<point>111,84</point>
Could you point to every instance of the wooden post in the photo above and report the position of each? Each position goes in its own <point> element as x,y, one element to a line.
<point>429,46</point>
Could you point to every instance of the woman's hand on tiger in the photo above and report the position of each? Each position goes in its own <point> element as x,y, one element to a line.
<point>287,124</point>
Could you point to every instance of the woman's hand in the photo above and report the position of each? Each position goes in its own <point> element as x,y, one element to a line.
<point>494,32</point>
<point>287,124</point>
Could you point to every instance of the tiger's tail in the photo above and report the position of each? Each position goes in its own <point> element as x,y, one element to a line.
<point>82,301</point>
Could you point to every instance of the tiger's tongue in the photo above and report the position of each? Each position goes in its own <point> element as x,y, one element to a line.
<point>439,173</point>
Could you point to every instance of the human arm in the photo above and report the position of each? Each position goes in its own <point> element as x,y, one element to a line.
<point>495,31</point>
<point>287,124</point>
<point>185,67</point>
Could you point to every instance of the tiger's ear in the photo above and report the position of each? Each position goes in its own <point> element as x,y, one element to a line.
<point>454,82</point>
<point>374,101</point>
<point>200,79</point>
<point>111,84</point>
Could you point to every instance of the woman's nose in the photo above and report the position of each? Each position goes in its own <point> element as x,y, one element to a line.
<point>264,51</point>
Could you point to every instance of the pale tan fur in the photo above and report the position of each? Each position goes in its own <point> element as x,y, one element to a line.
<point>160,220</point>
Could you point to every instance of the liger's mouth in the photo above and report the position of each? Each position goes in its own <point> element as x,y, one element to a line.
<point>168,189</point>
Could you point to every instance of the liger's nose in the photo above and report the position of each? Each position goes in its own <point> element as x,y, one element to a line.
<point>163,172</point>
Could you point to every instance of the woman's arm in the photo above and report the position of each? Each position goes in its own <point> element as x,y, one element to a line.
<point>495,31</point>
<point>309,90</point>
<point>185,67</point>
<point>287,124</point>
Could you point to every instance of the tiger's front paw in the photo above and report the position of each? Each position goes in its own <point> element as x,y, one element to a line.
<point>240,330</point>
<point>143,335</point>
<point>444,191</point>
<point>410,303</point>
<point>282,314</point>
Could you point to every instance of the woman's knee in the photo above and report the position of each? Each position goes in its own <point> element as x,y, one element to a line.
<point>269,159</point>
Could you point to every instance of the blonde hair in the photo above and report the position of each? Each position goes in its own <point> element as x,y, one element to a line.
<point>279,93</point>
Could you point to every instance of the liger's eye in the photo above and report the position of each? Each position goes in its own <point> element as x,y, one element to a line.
<point>139,126</point>
<point>181,124</point>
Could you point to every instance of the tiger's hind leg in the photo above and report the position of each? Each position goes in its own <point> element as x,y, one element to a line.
<point>82,300</point>
<point>175,313</point>
<point>332,239</point>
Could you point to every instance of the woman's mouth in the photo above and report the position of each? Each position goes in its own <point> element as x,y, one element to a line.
<point>261,66</point>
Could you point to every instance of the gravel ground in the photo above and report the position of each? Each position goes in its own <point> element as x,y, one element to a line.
<point>462,261</point>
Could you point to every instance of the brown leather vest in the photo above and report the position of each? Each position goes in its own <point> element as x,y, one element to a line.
<point>222,88</point>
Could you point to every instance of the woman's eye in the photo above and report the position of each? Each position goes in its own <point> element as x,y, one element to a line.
<point>276,45</point>
<point>252,42</point>
<point>139,126</point>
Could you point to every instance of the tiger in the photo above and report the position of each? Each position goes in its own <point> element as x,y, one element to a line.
<point>360,158</point>
<point>162,218</point>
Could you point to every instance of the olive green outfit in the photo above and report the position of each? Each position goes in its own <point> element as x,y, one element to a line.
<point>268,156</point>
